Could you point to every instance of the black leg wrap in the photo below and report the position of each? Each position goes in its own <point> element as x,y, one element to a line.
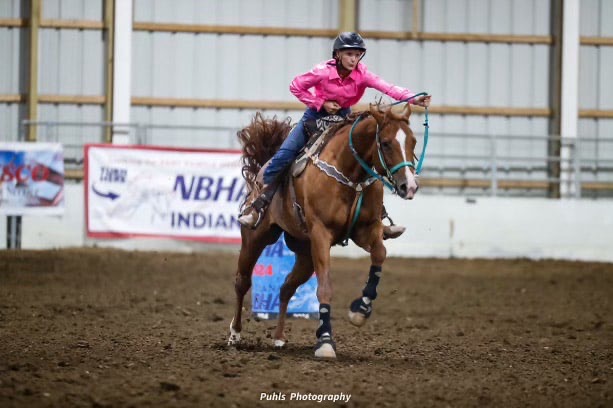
<point>359,306</point>
<point>370,291</point>
<point>324,320</point>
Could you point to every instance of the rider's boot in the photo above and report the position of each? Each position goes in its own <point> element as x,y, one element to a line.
<point>391,231</point>
<point>253,214</point>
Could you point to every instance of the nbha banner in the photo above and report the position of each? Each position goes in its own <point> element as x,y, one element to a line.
<point>135,191</point>
<point>31,179</point>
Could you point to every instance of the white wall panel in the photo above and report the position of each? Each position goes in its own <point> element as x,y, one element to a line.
<point>9,122</point>
<point>606,18</point>
<point>71,62</point>
<point>73,9</point>
<point>11,52</point>
<point>605,80</point>
<point>11,8</point>
<point>595,83</point>
<point>477,20</point>
<point>13,48</point>
<point>210,66</point>
<point>388,15</point>
<point>518,17</point>
<point>267,13</point>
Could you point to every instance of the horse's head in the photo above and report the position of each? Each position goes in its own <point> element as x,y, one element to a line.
<point>391,159</point>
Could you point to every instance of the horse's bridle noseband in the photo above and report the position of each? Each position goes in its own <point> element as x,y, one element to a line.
<point>388,179</point>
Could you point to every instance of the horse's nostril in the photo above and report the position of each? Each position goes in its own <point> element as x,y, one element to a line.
<point>403,189</point>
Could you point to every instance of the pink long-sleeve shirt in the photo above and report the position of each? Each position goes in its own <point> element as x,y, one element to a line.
<point>329,86</point>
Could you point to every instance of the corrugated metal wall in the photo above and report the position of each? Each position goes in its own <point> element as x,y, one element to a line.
<point>596,83</point>
<point>229,66</point>
<point>13,51</point>
<point>257,67</point>
<point>71,63</point>
<point>210,66</point>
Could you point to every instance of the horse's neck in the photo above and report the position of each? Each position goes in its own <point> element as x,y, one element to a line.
<point>363,137</point>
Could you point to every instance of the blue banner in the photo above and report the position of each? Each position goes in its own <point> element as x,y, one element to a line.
<point>273,266</point>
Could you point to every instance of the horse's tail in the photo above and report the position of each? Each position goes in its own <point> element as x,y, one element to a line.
<point>260,141</point>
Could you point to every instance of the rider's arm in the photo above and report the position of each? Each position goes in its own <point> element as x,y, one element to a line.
<point>302,84</point>
<point>396,92</point>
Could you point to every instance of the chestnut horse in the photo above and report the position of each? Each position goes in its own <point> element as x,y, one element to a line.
<point>339,196</point>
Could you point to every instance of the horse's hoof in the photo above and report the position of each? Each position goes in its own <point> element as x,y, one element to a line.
<point>357,319</point>
<point>279,344</point>
<point>235,336</point>
<point>325,351</point>
<point>359,311</point>
<point>235,339</point>
<point>325,347</point>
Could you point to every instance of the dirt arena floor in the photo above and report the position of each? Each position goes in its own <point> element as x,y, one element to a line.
<point>108,328</point>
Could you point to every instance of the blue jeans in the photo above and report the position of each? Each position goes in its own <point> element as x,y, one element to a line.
<point>292,145</point>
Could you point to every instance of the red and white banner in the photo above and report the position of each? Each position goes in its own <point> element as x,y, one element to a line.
<point>31,179</point>
<point>134,191</point>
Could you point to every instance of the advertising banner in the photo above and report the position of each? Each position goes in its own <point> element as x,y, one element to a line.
<point>191,194</point>
<point>32,179</point>
<point>273,266</point>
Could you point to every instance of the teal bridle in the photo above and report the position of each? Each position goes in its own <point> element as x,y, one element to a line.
<point>388,178</point>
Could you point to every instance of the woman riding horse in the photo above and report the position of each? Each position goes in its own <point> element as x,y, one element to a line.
<point>337,197</point>
<point>339,84</point>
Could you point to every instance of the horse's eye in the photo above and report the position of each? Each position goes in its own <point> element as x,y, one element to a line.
<point>386,145</point>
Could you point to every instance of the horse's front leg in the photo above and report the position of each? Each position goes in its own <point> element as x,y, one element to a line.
<point>320,250</point>
<point>361,308</point>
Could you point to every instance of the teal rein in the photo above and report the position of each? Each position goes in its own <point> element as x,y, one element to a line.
<point>390,172</point>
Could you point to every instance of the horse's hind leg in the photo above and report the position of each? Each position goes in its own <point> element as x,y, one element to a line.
<point>302,271</point>
<point>252,245</point>
<point>361,308</point>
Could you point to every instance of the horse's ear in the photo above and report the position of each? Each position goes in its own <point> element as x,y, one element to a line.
<point>406,113</point>
<point>375,111</point>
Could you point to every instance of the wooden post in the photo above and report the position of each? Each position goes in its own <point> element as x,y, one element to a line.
<point>416,26</point>
<point>348,15</point>
<point>35,11</point>
<point>555,92</point>
<point>109,30</point>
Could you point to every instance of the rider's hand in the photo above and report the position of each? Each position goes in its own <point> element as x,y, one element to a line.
<point>423,100</point>
<point>332,107</point>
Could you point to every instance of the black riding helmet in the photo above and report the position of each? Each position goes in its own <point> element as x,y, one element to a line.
<point>348,41</point>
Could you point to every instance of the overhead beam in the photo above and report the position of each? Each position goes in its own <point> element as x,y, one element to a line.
<point>375,35</point>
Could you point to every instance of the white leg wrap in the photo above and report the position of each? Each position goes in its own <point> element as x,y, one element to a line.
<point>235,337</point>
<point>279,343</point>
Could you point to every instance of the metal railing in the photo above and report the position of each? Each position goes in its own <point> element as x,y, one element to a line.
<point>463,164</point>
